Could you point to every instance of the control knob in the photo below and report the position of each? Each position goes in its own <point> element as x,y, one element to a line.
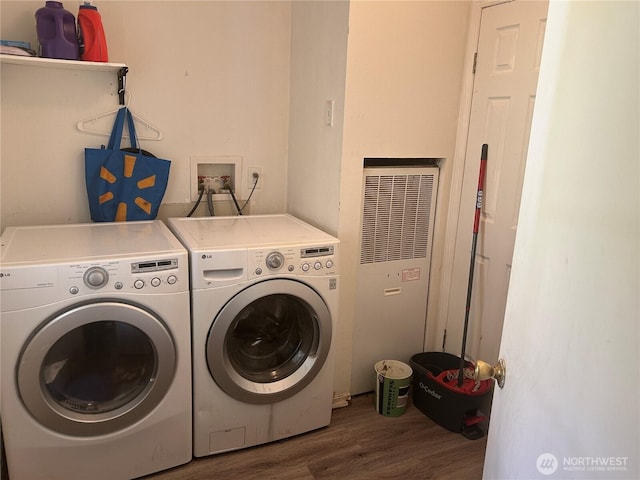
<point>275,260</point>
<point>96,277</point>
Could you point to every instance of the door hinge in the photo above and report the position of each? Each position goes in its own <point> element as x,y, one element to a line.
<point>444,339</point>
<point>475,62</point>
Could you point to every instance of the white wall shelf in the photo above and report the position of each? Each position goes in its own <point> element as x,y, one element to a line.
<point>56,63</point>
<point>119,68</point>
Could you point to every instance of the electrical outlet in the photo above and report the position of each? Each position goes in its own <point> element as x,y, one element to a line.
<point>251,177</point>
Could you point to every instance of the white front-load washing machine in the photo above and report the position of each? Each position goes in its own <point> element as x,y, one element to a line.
<point>264,307</point>
<point>95,349</point>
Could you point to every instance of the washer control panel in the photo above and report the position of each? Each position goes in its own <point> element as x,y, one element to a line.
<point>148,276</point>
<point>316,260</point>
<point>24,285</point>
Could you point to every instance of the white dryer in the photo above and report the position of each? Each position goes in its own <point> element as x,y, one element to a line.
<point>95,350</point>
<point>264,307</point>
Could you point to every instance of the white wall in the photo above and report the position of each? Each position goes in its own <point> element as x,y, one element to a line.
<point>219,80</point>
<point>213,76</point>
<point>571,331</point>
<point>404,77</point>
<point>318,64</point>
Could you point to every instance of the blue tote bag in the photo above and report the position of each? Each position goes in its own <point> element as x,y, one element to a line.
<point>124,184</point>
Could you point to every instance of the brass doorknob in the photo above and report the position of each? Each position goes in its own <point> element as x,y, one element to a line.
<point>484,371</point>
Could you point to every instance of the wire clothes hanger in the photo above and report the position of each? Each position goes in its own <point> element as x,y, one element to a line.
<point>144,129</point>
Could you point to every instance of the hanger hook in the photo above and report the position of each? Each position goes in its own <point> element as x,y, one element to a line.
<point>122,80</point>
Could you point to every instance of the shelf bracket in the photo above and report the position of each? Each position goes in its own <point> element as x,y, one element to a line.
<point>122,77</point>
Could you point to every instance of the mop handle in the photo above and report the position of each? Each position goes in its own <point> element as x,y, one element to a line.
<point>480,195</point>
<point>476,227</point>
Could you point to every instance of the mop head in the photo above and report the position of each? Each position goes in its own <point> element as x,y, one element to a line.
<point>449,379</point>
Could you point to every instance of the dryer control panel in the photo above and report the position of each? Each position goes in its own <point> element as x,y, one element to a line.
<point>320,260</point>
<point>20,285</point>
<point>146,276</point>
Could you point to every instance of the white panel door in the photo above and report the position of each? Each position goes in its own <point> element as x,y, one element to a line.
<point>508,59</point>
<point>569,408</point>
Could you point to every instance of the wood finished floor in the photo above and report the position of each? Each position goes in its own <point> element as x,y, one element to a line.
<point>359,444</point>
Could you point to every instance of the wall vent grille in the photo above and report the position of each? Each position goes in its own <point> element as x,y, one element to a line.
<point>396,217</point>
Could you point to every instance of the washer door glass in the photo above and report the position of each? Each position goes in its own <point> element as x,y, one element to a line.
<point>96,368</point>
<point>269,341</point>
<point>271,337</point>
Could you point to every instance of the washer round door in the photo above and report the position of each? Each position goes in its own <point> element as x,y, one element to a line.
<point>269,341</point>
<point>96,368</point>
